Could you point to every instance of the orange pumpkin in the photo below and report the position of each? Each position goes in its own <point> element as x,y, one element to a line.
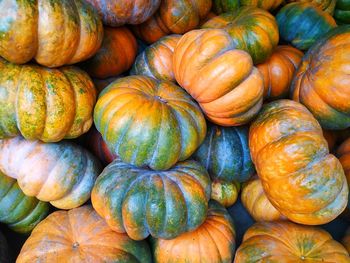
<point>226,193</point>
<point>301,179</point>
<point>221,78</point>
<point>346,240</point>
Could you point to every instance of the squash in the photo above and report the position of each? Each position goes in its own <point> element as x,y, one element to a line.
<point>222,79</point>
<point>149,122</point>
<point>44,104</point>
<point>142,202</point>
<point>213,241</point>
<point>80,235</point>
<point>225,193</point>
<point>325,70</point>
<point>229,6</point>
<point>303,24</point>
<point>287,242</point>
<point>116,55</point>
<point>343,153</point>
<point>293,162</point>
<point>325,5</point>
<point>278,71</point>
<point>54,33</point>
<point>252,29</point>
<point>346,240</point>
<point>157,60</point>
<point>342,12</point>
<point>4,254</point>
<point>60,173</point>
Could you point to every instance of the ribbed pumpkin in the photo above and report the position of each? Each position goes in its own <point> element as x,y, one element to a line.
<point>346,240</point>
<point>80,235</point>
<point>116,55</point>
<point>222,79</point>
<point>226,193</point>
<point>157,60</point>
<point>342,12</point>
<point>4,255</point>
<point>343,153</point>
<point>142,202</point>
<point>278,71</point>
<point>302,24</point>
<point>54,33</point>
<point>301,179</point>
<point>149,122</point>
<point>213,241</point>
<point>325,5</point>
<point>323,78</point>
<point>285,242</point>
<point>252,29</point>
<point>45,104</point>
<point>60,173</point>
<point>226,6</point>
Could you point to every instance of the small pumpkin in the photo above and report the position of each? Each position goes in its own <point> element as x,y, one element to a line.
<point>80,235</point>
<point>343,153</point>
<point>60,173</point>
<point>229,6</point>
<point>142,202</point>
<point>325,5</point>
<point>4,253</point>
<point>223,79</point>
<point>346,240</point>
<point>342,12</point>
<point>225,193</point>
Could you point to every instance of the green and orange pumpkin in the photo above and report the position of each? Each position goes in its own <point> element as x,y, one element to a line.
<point>343,153</point>
<point>325,5</point>
<point>229,6</point>
<point>225,193</point>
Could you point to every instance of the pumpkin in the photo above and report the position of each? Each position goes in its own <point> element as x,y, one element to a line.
<point>252,29</point>
<point>343,153</point>
<point>342,12</point>
<point>222,79</point>
<point>278,71</point>
<point>325,70</point>
<point>54,33</point>
<point>80,235</point>
<point>142,202</point>
<point>45,104</point>
<point>229,6</point>
<point>346,240</point>
<point>4,255</point>
<point>226,193</point>
<point>325,5</point>
<point>302,24</point>
<point>213,241</point>
<point>116,55</point>
<point>60,173</point>
<point>293,162</point>
<point>149,122</point>
<point>100,84</point>
<point>287,242</point>
<point>157,60</point>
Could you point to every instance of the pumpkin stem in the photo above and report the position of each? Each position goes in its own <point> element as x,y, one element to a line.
<point>161,99</point>
<point>75,245</point>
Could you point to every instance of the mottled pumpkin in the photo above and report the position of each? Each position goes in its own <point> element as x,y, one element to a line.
<point>303,24</point>
<point>149,122</point>
<point>116,55</point>
<point>343,153</point>
<point>278,71</point>
<point>54,33</point>
<point>285,242</point>
<point>4,253</point>
<point>342,12</point>
<point>323,79</point>
<point>325,5</point>
<point>293,162</point>
<point>213,241</point>
<point>225,193</point>
<point>346,240</point>
<point>44,104</point>
<point>252,29</point>
<point>142,202</point>
<point>229,6</point>
<point>80,235</point>
<point>222,79</point>
<point>60,173</point>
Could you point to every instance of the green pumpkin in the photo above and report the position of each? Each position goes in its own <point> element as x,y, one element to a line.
<point>342,12</point>
<point>225,6</point>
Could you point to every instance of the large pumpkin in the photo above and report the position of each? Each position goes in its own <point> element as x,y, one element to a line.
<point>342,12</point>
<point>220,77</point>
<point>252,29</point>
<point>285,242</point>
<point>301,179</point>
<point>278,71</point>
<point>226,6</point>
<point>4,254</point>
<point>80,235</point>
<point>149,122</point>
<point>343,153</point>
<point>142,202</point>
<point>60,173</point>
<point>323,78</point>
<point>54,33</point>
<point>325,5</point>
<point>45,104</point>
<point>303,24</point>
<point>213,241</point>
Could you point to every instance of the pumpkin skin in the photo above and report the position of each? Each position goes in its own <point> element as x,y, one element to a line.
<point>149,122</point>
<point>157,60</point>
<point>293,162</point>
<point>226,6</point>
<point>252,29</point>
<point>116,55</point>
<point>28,25</point>
<point>225,193</point>
<point>302,24</point>
<point>60,173</point>
<point>343,153</point>
<point>44,104</point>
<point>80,235</point>
<point>285,242</point>
<point>342,12</point>
<point>325,5</point>
<point>143,202</point>
<point>315,80</point>
<point>4,255</point>
<point>213,241</point>
<point>346,240</point>
<point>218,78</point>
<point>278,71</point>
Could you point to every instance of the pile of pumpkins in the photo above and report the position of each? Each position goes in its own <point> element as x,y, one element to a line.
<point>172,111</point>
